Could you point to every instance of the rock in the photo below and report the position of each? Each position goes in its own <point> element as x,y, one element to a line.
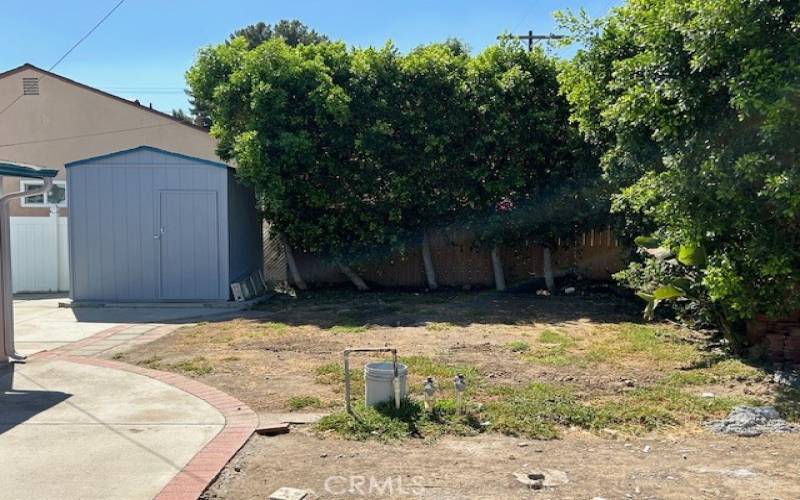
<point>288,494</point>
<point>749,421</point>
<point>569,290</point>
<point>522,445</point>
<point>708,395</point>
<point>544,478</point>
<point>646,449</point>
<point>533,480</point>
<point>323,455</point>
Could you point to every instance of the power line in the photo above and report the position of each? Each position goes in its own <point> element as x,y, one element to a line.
<point>68,52</point>
<point>87,35</point>
<point>107,132</point>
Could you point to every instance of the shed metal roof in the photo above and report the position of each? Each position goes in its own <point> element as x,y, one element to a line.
<point>146,148</point>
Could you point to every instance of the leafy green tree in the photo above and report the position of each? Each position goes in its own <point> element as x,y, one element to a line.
<point>696,107</point>
<point>182,115</point>
<point>284,115</point>
<point>292,32</point>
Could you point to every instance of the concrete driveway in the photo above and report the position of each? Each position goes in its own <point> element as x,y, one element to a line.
<point>73,426</point>
<point>70,431</point>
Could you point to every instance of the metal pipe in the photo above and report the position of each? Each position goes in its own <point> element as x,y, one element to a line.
<point>395,381</point>
<point>7,307</point>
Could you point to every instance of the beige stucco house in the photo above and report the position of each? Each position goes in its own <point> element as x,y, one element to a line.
<point>49,120</point>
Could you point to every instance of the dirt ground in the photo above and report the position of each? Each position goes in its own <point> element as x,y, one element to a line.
<point>675,467</point>
<point>653,385</point>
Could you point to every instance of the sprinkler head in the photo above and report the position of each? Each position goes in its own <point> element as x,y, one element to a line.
<point>429,387</point>
<point>460,382</point>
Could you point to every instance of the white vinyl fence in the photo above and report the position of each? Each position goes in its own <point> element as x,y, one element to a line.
<point>39,258</point>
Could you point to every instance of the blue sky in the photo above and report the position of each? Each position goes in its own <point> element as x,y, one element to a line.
<point>143,50</point>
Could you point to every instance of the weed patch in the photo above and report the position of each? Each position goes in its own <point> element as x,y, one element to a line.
<point>385,423</point>
<point>195,366</point>
<point>301,402</point>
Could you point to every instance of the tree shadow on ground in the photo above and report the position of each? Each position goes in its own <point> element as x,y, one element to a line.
<point>344,308</point>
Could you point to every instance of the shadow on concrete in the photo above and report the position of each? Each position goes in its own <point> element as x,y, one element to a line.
<point>166,315</point>
<point>18,406</point>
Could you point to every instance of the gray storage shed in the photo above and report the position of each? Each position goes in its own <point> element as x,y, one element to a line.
<point>151,225</point>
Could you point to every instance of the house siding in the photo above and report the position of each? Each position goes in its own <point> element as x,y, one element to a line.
<point>67,122</point>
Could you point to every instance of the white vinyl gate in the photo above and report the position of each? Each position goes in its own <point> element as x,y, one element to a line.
<point>39,254</point>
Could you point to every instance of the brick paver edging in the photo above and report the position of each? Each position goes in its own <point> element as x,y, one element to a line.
<point>205,466</point>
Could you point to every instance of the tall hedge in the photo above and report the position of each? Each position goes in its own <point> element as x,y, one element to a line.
<point>356,152</point>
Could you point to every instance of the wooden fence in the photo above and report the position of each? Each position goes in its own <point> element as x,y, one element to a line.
<point>458,262</point>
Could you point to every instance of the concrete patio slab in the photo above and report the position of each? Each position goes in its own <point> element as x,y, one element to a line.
<point>70,430</point>
<point>41,325</point>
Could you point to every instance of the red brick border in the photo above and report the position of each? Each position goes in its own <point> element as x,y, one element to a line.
<point>205,466</point>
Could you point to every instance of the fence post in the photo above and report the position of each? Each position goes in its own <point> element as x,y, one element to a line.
<point>497,267</point>
<point>287,250</point>
<point>54,215</point>
<point>547,264</point>
<point>427,259</point>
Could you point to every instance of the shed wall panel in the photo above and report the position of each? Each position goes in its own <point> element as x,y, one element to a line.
<point>244,229</point>
<point>114,255</point>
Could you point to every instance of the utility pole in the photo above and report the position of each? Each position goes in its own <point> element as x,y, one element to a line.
<point>531,38</point>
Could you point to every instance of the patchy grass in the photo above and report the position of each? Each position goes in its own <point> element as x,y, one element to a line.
<point>197,365</point>
<point>439,327</point>
<point>194,366</point>
<point>532,367</point>
<point>302,402</point>
<point>518,346</point>
<point>385,423</point>
<point>552,349</point>
<point>787,403</point>
<point>719,371</point>
<point>649,343</point>
<point>535,411</point>
<point>348,328</point>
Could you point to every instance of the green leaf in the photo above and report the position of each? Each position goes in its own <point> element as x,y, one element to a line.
<point>645,296</point>
<point>690,255</point>
<point>667,292</point>
<point>682,284</point>
<point>647,242</point>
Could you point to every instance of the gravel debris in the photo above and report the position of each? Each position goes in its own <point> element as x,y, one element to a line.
<point>751,421</point>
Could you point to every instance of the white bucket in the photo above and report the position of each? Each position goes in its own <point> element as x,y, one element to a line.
<point>378,382</point>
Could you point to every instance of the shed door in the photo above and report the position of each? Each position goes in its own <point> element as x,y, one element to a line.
<point>189,240</point>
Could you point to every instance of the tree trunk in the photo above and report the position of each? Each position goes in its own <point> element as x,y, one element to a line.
<point>356,279</point>
<point>427,259</point>
<point>547,263</point>
<point>298,281</point>
<point>497,267</point>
